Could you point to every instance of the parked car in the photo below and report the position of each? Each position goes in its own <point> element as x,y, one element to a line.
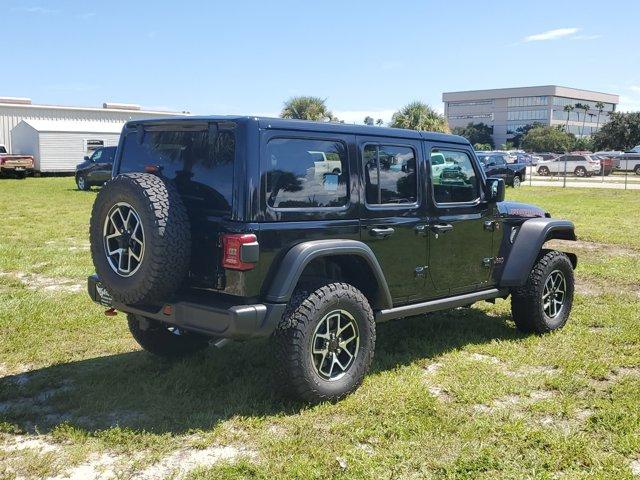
<point>234,236</point>
<point>15,165</point>
<point>607,164</point>
<point>95,170</point>
<point>579,165</point>
<point>495,165</point>
<point>630,162</point>
<point>635,149</point>
<point>614,154</point>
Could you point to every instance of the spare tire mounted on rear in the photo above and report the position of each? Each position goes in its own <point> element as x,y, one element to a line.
<point>140,238</point>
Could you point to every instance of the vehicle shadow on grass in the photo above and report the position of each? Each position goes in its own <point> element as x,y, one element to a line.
<point>138,391</point>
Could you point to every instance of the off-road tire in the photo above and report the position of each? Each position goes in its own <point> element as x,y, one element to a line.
<point>167,238</point>
<point>526,301</point>
<point>156,338</point>
<point>293,339</point>
<point>543,171</point>
<point>82,184</point>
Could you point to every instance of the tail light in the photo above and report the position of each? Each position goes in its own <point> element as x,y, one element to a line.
<point>239,251</point>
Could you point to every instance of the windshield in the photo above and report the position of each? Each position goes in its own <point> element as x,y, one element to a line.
<point>2,149</point>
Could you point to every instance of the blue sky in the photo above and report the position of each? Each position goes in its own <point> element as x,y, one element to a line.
<point>245,57</point>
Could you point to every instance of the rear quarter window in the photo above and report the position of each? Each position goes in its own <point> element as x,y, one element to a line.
<point>303,173</point>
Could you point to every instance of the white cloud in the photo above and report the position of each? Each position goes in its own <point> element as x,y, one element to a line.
<point>86,16</point>
<point>635,88</point>
<point>36,10</point>
<point>551,34</point>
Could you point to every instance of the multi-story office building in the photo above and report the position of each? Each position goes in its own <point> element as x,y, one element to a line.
<point>507,109</point>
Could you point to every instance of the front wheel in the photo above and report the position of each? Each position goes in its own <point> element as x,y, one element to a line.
<point>164,340</point>
<point>544,171</point>
<point>325,342</point>
<point>516,182</point>
<point>544,303</point>
<point>82,183</point>
<point>580,172</point>
<point>637,170</point>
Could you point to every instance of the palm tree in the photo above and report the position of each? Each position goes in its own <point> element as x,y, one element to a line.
<point>419,116</point>
<point>600,107</point>
<point>584,107</point>
<point>368,120</point>
<point>568,109</point>
<point>578,106</point>
<point>379,122</point>
<point>307,108</point>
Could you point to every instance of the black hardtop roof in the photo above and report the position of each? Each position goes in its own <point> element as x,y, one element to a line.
<point>309,126</point>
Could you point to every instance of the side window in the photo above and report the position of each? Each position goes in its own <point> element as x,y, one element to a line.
<point>500,160</point>
<point>97,155</point>
<point>455,181</point>
<point>306,173</point>
<point>390,174</point>
<point>109,153</point>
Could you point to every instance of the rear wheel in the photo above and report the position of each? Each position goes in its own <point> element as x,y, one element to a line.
<point>325,342</point>
<point>516,182</point>
<point>637,170</point>
<point>164,340</point>
<point>544,303</point>
<point>544,171</point>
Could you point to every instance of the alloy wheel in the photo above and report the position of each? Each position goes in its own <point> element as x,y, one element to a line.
<point>554,294</point>
<point>123,237</point>
<point>335,344</point>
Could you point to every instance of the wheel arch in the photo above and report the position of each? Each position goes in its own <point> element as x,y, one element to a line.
<point>355,259</point>
<point>529,243</point>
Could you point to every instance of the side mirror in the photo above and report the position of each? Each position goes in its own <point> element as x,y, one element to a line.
<point>494,190</point>
<point>86,158</point>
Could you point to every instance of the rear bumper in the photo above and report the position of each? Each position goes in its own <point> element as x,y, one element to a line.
<point>208,317</point>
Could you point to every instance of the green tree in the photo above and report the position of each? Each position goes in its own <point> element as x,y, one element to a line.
<point>482,147</point>
<point>600,107</point>
<point>517,139</point>
<point>368,120</point>
<point>548,139</point>
<point>419,116</point>
<point>584,107</point>
<point>475,133</point>
<point>568,109</point>
<point>307,108</point>
<point>621,132</point>
<point>379,122</point>
<point>578,106</point>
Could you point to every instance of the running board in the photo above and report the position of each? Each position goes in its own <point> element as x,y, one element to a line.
<point>440,304</point>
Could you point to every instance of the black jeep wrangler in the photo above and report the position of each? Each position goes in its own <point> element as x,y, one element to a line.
<point>239,227</point>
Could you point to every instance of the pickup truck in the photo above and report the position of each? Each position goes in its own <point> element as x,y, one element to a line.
<point>16,165</point>
<point>496,164</point>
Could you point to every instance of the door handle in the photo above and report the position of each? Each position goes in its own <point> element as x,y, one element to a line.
<point>441,227</point>
<point>381,232</point>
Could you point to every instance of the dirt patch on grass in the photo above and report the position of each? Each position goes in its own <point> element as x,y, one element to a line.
<point>594,288</point>
<point>593,248</point>
<point>635,467</point>
<point>34,281</point>
<point>523,371</point>
<point>513,402</point>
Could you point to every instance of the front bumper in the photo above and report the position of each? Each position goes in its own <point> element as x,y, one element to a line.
<point>207,315</point>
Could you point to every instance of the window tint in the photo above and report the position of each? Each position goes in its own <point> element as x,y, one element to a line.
<point>499,159</point>
<point>390,174</point>
<point>201,164</point>
<point>108,155</point>
<point>304,173</point>
<point>97,155</point>
<point>454,180</point>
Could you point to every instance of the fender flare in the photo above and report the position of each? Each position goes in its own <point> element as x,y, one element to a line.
<point>528,243</point>
<point>298,257</point>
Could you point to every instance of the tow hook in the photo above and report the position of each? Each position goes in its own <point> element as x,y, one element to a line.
<point>111,312</point>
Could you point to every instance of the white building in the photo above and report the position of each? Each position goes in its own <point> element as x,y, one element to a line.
<point>14,110</point>
<point>59,145</point>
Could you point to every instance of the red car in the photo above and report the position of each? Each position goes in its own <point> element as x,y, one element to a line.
<point>607,164</point>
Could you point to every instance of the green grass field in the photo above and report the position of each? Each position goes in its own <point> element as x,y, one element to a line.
<point>459,394</point>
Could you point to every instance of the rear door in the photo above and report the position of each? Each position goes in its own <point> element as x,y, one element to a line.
<point>393,218</point>
<point>460,226</point>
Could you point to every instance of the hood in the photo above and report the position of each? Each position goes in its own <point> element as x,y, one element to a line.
<point>520,210</point>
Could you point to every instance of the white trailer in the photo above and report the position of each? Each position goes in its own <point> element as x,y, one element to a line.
<point>58,146</point>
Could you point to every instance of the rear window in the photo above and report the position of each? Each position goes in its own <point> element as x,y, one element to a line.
<point>201,163</point>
